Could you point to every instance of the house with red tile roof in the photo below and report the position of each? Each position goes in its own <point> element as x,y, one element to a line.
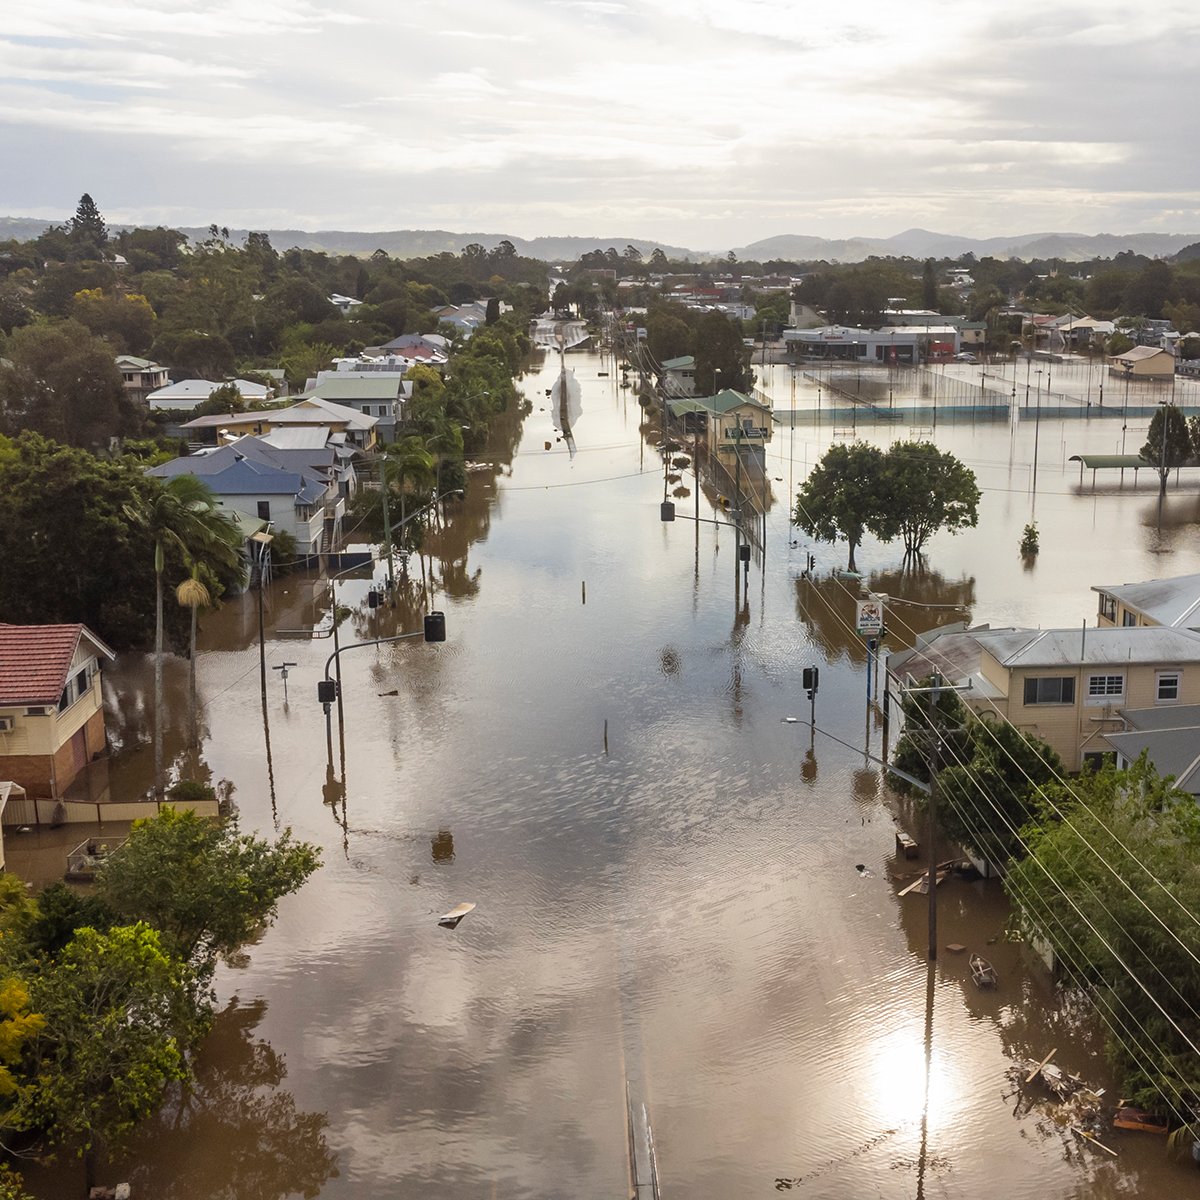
<point>51,711</point>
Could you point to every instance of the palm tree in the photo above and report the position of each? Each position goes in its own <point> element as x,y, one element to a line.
<point>406,461</point>
<point>180,513</point>
<point>445,443</point>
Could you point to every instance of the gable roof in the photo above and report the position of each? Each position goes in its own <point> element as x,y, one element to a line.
<point>335,386</point>
<point>314,410</point>
<point>1141,352</point>
<point>1172,602</point>
<point>1093,647</point>
<point>36,659</point>
<point>720,404</point>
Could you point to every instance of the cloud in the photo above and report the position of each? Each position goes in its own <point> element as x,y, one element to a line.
<point>702,121</point>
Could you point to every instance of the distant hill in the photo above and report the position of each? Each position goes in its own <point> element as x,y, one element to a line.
<point>399,243</point>
<point>913,243</point>
<point>921,243</point>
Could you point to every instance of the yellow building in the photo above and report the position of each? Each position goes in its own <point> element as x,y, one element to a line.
<point>1065,686</point>
<point>1143,362</point>
<point>1173,602</point>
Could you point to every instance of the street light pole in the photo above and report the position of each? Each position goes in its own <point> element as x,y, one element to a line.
<point>1037,429</point>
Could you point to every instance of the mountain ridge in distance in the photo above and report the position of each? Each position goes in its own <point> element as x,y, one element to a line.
<point>913,243</point>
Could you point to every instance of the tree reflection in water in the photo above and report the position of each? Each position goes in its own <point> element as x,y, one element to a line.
<point>270,1149</point>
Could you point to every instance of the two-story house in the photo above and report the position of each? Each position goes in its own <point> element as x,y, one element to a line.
<point>378,394</point>
<point>1068,687</point>
<point>51,708</point>
<point>140,376</point>
<point>1173,602</point>
<point>297,489</point>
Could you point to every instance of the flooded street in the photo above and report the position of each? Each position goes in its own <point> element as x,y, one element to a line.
<point>668,905</point>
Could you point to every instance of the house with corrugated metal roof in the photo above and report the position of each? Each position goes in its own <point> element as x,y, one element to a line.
<point>1173,602</point>
<point>1143,362</point>
<point>295,488</point>
<point>51,707</point>
<point>1168,736</point>
<point>1068,687</point>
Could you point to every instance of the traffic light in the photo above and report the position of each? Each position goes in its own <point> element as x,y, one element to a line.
<point>435,627</point>
<point>372,599</point>
<point>812,561</point>
<point>667,510</point>
<point>810,680</point>
<point>744,552</point>
<point>326,691</point>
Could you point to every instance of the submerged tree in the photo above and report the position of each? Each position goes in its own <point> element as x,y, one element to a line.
<point>1168,443</point>
<point>180,514</point>
<point>925,489</point>
<point>840,498</point>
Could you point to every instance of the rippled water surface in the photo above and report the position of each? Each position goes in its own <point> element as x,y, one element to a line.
<point>668,900</point>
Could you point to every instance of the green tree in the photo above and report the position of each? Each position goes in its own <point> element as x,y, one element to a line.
<point>223,399</point>
<point>667,334</point>
<point>924,489</point>
<point>204,885</point>
<point>1168,443</point>
<point>841,496</point>
<point>988,796</point>
<point>929,287</point>
<point>1111,884</point>
<point>181,513</point>
<point>405,463</point>
<point>124,319</point>
<point>658,260</point>
<point>63,382</point>
<point>719,348</point>
<point>87,225</point>
<point>117,1020</point>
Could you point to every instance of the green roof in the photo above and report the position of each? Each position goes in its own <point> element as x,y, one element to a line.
<point>385,388</point>
<point>1101,461</point>
<point>247,525</point>
<point>679,364</point>
<point>723,402</point>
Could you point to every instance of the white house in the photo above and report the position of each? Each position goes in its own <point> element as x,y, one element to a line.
<point>185,395</point>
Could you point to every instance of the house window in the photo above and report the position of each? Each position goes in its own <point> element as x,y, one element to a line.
<point>1129,619</point>
<point>1167,687</point>
<point>264,510</point>
<point>1108,608</point>
<point>1052,689</point>
<point>1101,687</point>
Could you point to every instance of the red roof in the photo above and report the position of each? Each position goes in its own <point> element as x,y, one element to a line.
<point>36,659</point>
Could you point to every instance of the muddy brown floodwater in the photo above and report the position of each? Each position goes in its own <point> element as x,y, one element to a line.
<point>672,913</point>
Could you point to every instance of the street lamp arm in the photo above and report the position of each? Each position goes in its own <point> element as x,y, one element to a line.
<point>400,637</point>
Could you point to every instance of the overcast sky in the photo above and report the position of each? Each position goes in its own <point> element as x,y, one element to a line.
<point>703,123</point>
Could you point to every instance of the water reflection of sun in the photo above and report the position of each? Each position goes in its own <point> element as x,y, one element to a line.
<point>896,1074</point>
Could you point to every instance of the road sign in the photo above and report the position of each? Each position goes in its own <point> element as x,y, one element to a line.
<point>870,617</point>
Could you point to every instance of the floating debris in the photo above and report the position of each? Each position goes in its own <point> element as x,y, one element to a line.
<point>450,920</point>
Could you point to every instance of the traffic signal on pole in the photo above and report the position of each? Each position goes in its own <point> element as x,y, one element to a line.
<point>667,510</point>
<point>435,627</point>
<point>744,552</point>
<point>326,691</point>
<point>372,599</point>
<point>810,680</point>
